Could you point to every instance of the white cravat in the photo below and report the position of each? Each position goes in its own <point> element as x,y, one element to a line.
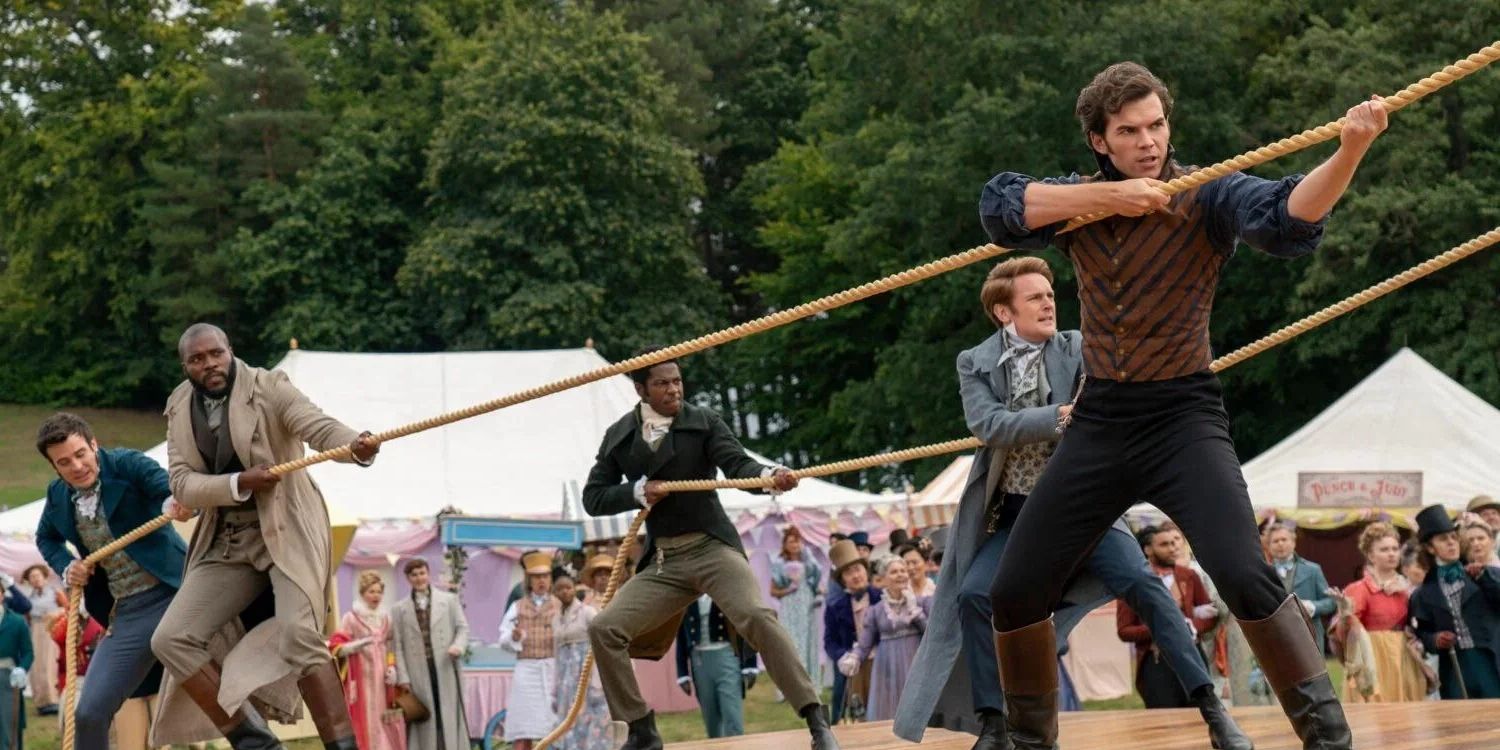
<point>87,501</point>
<point>654,426</point>
<point>1022,355</point>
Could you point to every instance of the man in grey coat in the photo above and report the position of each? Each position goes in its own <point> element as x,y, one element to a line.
<point>1016,389</point>
<point>431,635</point>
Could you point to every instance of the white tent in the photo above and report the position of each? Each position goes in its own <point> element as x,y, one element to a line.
<point>518,461</point>
<point>937,503</point>
<point>1406,416</point>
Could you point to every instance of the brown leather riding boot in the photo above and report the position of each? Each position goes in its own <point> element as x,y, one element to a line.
<point>323,692</point>
<point>1028,675</point>
<point>245,730</point>
<point>1298,675</point>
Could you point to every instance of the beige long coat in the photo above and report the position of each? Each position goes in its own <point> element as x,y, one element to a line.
<point>449,628</point>
<point>269,420</point>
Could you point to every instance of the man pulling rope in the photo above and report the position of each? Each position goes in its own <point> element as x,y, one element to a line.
<point>1149,423</point>
<point>691,548</point>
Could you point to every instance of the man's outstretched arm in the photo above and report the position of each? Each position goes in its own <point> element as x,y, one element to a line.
<point>1316,195</point>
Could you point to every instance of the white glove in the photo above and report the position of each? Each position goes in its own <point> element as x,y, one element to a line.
<point>849,664</point>
<point>6,581</point>
<point>17,678</point>
<point>390,675</point>
<point>1307,607</point>
<point>1205,611</point>
<point>357,645</point>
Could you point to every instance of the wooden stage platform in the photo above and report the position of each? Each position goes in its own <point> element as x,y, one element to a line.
<point>1433,725</point>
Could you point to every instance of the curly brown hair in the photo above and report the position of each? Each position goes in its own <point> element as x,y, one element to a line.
<point>1112,89</point>
<point>1374,533</point>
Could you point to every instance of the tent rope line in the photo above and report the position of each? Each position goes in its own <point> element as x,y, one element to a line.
<point>1449,74</point>
<point>1281,336</point>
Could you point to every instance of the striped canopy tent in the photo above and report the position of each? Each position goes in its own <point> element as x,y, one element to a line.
<point>937,503</point>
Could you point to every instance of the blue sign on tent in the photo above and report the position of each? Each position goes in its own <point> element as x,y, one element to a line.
<point>476,531</point>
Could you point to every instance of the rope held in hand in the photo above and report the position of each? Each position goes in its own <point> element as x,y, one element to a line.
<point>75,623</point>
<point>1407,96</point>
<point>1281,336</point>
<point>1410,94</point>
<point>1314,136</point>
<point>1275,339</point>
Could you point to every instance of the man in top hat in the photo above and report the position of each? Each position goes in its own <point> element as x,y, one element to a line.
<point>862,546</point>
<point>1487,508</point>
<point>260,536</point>
<point>691,548</point>
<point>526,630</point>
<point>844,617</point>
<point>861,541</point>
<point>431,635</point>
<point>1457,611</point>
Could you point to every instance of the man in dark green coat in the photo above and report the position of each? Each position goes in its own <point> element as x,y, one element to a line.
<point>15,662</point>
<point>691,547</point>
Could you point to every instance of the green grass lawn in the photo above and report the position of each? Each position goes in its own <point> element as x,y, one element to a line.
<point>24,474</point>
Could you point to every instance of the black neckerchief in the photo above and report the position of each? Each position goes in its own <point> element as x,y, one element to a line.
<point>1107,170</point>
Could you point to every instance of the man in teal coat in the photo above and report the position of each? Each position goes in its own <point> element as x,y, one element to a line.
<point>100,495</point>
<point>15,662</point>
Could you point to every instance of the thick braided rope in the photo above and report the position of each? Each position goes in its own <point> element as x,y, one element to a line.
<point>1355,301</point>
<point>837,467</point>
<point>75,624</point>
<point>616,576</point>
<point>1410,94</point>
<point>759,325</point>
<point>1348,304</point>
<point>1306,138</point>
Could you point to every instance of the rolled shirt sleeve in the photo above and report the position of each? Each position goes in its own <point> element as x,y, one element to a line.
<point>1252,209</point>
<point>1002,211</point>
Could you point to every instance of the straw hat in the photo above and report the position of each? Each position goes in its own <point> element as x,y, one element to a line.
<point>596,563</point>
<point>537,563</point>
<point>1481,502</point>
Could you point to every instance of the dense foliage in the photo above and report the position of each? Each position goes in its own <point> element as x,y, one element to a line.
<point>376,175</point>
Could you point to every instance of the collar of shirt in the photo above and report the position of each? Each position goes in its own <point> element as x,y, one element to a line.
<point>1017,347</point>
<point>540,600</point>
<point>87,501</point>
<point>653,426</point>
<point>419,598</point>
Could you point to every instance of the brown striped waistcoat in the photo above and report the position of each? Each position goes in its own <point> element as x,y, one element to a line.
<point>1146,287</point>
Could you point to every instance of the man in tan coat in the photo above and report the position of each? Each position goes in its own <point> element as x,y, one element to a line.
<point>431,637</point>
<point>227,424</point>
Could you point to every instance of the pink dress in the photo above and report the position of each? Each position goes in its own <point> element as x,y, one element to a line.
<point>364,685</point>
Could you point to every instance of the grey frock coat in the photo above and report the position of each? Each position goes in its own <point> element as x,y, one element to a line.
<point>937,689</point>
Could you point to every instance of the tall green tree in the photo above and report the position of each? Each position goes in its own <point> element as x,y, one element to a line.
<point>90,94</point>
<point>560,202</point>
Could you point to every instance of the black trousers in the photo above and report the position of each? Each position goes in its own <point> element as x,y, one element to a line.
<point>1164,442</point>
